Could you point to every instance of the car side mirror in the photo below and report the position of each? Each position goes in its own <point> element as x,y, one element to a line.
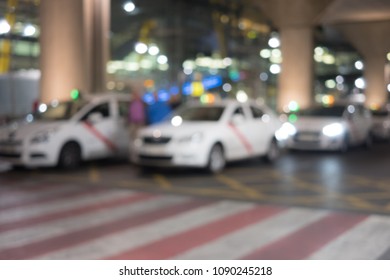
<point>95,117</point>
<point>238,119</point>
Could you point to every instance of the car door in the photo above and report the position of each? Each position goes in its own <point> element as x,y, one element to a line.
<point>121,128</point>
<point>98,126</point>
<point>261,130</point>
<point>353,118</point>
<point>240,141</point>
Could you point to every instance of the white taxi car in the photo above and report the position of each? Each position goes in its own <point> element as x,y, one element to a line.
<point>209,135</point>
<point>65,133</point>
<point>335,127</point>
<point>381,123</point>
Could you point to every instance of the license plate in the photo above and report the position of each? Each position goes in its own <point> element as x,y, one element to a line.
<point>308,137</point>
<point>154,150</point>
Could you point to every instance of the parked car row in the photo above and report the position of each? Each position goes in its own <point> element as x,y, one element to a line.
<point>198,134</point>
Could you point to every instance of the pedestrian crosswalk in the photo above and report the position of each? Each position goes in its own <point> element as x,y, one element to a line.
<point>64,221</point>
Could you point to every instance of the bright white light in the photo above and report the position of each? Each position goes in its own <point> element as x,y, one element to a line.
<point>274,69</point>
<point>359,65</point>
<point>319,51</point>
<point>332,130</point>
<point>289,128</point>
<point>188,71</point>
<point>141,48</point>
<point>42,108</point>
<point>162,59</point>
<point>132,66</point>
<point>154,50</point>
<point>29,30</point>
<point>265,53</point>
<point>329,59</point>
<point>340,79</point>
<point>176,121</point>
<point>189,64</point>
<point>227,87</point>
<point>265,118</point>
<point>330,83</point>
<point>274,42</point>
<point>264,76</point>
<point>156,133</point>
<point>129,7</point>
<point>351,109</point>
<point>29,118</point>
<point>227,61</point>
<point>388,87</point>
<point>4,27</point>
<point>360,83</point>
<point>276,53</point>
<point>242,96</point>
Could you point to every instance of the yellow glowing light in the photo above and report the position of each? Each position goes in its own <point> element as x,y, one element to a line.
<point>328,100</point>
<point>374,106</point>
<point>148,83</point>
<point>207,98</point>
<point>197,89</point>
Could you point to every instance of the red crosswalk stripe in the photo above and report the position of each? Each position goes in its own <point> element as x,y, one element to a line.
<point>144,226</point>
<point>303,242</point>
<point>169,247</point>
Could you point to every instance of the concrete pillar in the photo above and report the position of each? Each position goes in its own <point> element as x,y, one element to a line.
<point>295,21</point>
<point>296,77</point>
<point>62,49</point>
<point>74,46</point>
<point>97,30</point>
<point>372,40</point>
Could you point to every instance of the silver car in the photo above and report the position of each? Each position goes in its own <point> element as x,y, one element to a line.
<point>330,128</point>
<point>381,123</point>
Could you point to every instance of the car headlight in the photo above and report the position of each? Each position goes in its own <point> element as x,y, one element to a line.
<point>193,138</point>
<point>287,130</point>
<point>137,142</point>
<point>42,136</point>
<point>332,130</point>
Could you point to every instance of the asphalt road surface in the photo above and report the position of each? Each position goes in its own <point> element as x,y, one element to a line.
<point>316,205</point>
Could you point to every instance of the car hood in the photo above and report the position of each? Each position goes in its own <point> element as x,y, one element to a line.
<point>186,128</point>
<point>22,130</point>
<point>315,123</point>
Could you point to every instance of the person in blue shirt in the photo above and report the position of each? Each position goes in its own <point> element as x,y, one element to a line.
<point>158,110</point>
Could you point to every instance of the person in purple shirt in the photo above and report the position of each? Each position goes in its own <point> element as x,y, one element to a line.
<point>136,116</point>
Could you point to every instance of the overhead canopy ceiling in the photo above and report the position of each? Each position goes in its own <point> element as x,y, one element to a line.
<point>341,11</point>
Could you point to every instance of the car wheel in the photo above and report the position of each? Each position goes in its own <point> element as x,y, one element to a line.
<point>70,156</point>
<point>273,152</point>
<point>216,159</point>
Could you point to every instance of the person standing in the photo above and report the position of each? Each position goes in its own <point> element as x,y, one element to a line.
<point>158,110</point>
<point>136,115</point>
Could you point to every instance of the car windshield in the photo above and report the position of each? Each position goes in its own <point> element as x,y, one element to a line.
<point>59,111</point>
<point>334,111</point>
<point>200,113</point>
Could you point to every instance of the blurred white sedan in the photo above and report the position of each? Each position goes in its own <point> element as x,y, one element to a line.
<point>381,123</point>
<point>329,128</point>
<point>209,135</point>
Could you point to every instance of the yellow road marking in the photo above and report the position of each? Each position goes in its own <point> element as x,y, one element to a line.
<point>162,182</point>
<point>238,186</point>
<point>93,174</point>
